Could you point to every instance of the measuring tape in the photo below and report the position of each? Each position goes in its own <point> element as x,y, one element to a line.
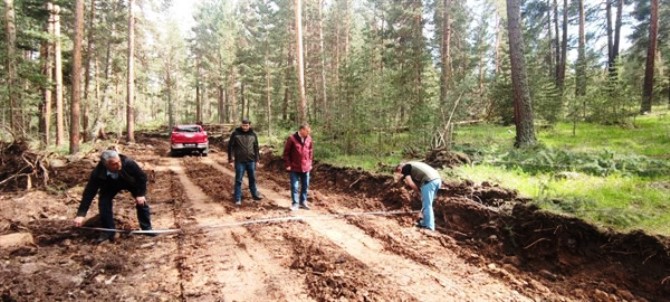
<point>255,221</point>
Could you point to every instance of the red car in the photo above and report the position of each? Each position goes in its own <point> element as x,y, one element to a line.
<point>185,139</point>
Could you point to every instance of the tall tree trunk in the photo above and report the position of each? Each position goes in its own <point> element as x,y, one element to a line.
<point>232,96</point>
<point>60,127</point>
<point>550,39</point>
<point>98,129</point>
<point>557,43</point>
<point>608,13</point>
<point>76,76</point>
<point>243,101</point>
<point>302,105</point>
<point>130,110</point>
<point>580,72</point>
<point>560,79</point>
<point>445,51</point>
<point>198,96</point>
<point>287,87</point>
<point>268,89</point>
<point>617,38</point>
<point>47,55</point>
<point>648,88</point>
<point>498,39</point>
<point>168,90</point>
<point>322,52</point>
<point>12,72</point>
<point>523,112</point>
<point>222,108</point>
<point>87,71</point>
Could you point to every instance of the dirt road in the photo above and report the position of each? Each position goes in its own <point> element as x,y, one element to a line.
<point>261,251</point>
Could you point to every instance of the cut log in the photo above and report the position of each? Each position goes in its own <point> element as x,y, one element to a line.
<point>16,240</point>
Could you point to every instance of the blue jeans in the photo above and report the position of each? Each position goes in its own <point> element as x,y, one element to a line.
<point>302,179</point>
<point>240,168</point>
<point>428,193</point>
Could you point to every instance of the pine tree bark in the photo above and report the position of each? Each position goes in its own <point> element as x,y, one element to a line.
<point>130,108</point>
<point>580,72</point>
<point>557,44</point>
<point>523,113</point>
<point>198,97</point>
<point>610,32</point>
<point>47,69</point>
<point>498,43</point>
<point>445,51</point>
<point>12,72</point>
<point>564,48</point>
<point>76,76</point>
<point>648,88</point>
<point>232,96</point>
<point>617,38</point>
<point>322,54</point>
<point>86,103</point>
<point>302,105</point>
<point>58,73</point>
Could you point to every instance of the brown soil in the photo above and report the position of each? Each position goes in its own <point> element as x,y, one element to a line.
<point>490,245</point>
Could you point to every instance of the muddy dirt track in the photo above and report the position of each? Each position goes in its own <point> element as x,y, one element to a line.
<point>489,246</point>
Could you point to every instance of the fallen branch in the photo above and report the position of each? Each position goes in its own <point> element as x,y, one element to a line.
<point>536,242</point>
<point>12,177</point>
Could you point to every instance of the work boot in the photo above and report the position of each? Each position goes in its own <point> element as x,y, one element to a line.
<point>238,202</point>
<point>294,207</point>
<point>304,206</point>
<point>257,198</point>
<point>104,237</point>
<point>148,234</point>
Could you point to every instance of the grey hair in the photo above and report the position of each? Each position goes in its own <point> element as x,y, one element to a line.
<point>109,154</point>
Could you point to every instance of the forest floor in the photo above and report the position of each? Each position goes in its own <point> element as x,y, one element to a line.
<point>357,243</point>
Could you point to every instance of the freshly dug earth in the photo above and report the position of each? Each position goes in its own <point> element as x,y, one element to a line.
<point>490,244</point>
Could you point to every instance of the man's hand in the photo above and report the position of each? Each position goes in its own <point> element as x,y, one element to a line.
<point>288,168</point>
<point>140,200</point>
<point>78,221</point>
<point>231,163</point>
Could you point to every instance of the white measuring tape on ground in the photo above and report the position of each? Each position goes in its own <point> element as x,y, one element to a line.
<point>255,221</point>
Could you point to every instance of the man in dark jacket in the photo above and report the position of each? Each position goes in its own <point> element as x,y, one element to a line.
<point>115,173</point>
<point>298,156</point>
<point>422,178</point>
<point>244,153</point>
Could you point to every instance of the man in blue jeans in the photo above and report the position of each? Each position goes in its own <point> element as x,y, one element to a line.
<point>243,151</point>
<point>424,179</point>
<point>298,156</point>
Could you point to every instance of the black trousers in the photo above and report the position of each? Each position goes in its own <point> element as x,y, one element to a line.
<point>105,206</point>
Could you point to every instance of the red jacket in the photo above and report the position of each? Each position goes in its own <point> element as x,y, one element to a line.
<point>298,155</point>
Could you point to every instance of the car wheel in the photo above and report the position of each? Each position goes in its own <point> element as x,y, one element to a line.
<point>204,152</point>
<point>173,153</point>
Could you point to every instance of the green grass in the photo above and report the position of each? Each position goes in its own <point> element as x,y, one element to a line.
<point>648,135</point>
<point>621,181</point>
<point>620,202</point>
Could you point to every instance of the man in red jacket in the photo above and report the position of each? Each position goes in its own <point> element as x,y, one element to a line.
<point>298,155</point>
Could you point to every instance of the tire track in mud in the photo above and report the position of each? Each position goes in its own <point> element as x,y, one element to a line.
<point>228,263</point>
<point>414,274</point>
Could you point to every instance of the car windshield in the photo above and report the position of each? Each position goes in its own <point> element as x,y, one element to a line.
<point>187,129</point>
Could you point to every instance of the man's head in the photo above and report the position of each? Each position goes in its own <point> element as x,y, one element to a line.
<point>399,167</point>
<point>111,160</point>
<point>246,124</point>
<point>304,130</point>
